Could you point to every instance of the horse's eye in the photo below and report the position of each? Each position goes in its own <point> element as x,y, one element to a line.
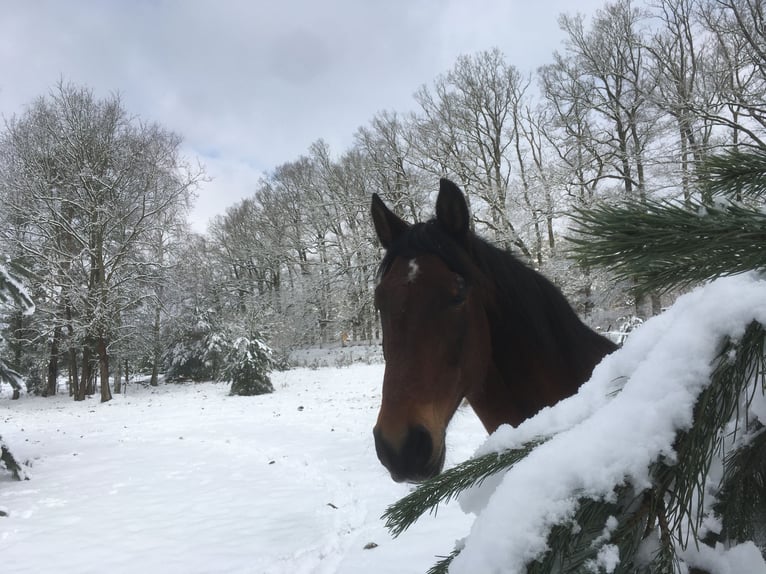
<point>460,292</point>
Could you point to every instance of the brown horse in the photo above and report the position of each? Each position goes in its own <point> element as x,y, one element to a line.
<point>463,319</point>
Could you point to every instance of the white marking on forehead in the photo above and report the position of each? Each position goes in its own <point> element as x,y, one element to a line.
<point>414,270</point>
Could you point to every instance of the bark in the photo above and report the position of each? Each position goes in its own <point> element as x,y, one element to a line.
<point>53,365</point>
<point>156,346</point>
<point>73,386</point>
<point>103,360</point>
<point>82,389</point>
<point>118,377</point>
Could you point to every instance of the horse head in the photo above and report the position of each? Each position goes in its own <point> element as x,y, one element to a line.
<point>436,340</point>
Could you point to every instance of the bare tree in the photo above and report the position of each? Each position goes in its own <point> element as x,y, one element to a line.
<point>467,129</point>
<point>680,56</point>
<point>738,28</point>
<point>92,185</point>
<point>388,145</point>
<point>609,57</point>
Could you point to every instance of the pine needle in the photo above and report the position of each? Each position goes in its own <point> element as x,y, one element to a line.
<point>738,173</point>
<point>661,245</point>
<point>442,566</point>
<point>446,486</point>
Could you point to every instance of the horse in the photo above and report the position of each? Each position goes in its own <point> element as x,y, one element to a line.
<point>463,319</point>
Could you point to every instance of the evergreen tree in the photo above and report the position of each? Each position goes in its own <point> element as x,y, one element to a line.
<point>12,294</point>
<point>658,246</point>
<point>8,462</point>
<point>247,367</point>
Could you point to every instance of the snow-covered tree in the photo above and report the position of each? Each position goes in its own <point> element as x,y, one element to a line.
<point>248,363</point>
<point>9,463</point>
<point>85,187</point>
<point>13,295</point>
<point>657,465</point>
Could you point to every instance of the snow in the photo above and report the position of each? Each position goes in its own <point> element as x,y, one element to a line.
<point>739,559</point>
<point>605,437</point>
<point>186,479</point>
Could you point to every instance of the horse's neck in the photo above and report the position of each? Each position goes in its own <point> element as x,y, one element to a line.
<point>541,353</point>
<point>494,402</point>
<point>520,382</point>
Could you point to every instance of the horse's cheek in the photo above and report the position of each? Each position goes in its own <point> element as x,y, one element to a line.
<point>478,348</point>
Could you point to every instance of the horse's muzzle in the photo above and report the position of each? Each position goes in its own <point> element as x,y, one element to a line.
<point>414,459</point>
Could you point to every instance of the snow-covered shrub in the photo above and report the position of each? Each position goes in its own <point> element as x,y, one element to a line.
<point>35,379</point>
<point>247,366</point>
<point>13,295</point>
<point>196,355</point>
<point>9,464</point>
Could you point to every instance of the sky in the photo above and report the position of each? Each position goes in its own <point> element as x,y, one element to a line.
<point>250,85</point>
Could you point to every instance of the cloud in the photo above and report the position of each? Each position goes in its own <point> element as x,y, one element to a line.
<point>250,85</point>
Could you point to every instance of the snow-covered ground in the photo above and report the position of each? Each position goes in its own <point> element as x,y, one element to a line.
<point>185,479</point>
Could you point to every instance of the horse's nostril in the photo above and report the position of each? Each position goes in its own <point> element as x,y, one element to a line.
<point>418,447</point>
<point>385,451</point>
<point>412,460</point>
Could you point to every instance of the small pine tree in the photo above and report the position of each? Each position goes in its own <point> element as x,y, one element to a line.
<point>12,293</point>
<point>196,352</point>
<point>248,364</point>
<point>657,246</point>
<point>8,462</point>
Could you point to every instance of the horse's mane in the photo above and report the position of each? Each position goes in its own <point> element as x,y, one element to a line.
<point>426,237</point>
<point>524,307</point>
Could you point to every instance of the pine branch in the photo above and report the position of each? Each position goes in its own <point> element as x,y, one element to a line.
<point>674,503</point>
<point>739,365</point>
<point>742,498</point>
<point>10,376</point>
<point>736,173</point>
<point>11,292</point>
<point>663,562</point>
<point>574,546</point>
<point>447,485</point>
<point>742,501</point>
<point>659,245</point>
<point>442,566</point>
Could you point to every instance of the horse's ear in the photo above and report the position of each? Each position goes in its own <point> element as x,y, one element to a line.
<point>388,225</point>
<point>452,209</point>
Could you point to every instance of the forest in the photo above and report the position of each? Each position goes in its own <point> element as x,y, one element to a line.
<point>111,281</point>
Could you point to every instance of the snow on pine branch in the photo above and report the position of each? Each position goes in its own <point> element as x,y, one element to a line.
<point>609,434</point>
<point>13,292</point>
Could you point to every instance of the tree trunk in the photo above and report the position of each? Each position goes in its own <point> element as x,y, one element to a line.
<point>17,326</point>
<point>156,345</point>
<point>118,377</point>
<point>53,365</point>
<point>73,381</point>
<point>82,388</point>
<point>16,389</point>
<point>154,380</point>
<point>103,360</point>
<point>72,353</point>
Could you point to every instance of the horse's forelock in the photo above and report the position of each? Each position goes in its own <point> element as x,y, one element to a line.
<point>427,238</point>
